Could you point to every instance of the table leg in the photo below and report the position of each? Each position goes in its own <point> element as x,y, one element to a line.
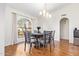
<point>36,44</point>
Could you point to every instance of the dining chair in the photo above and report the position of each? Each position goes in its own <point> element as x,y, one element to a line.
<point>52,38</point>
<point>28,39</point>
<point>48,37</point>
<point>45,39</point>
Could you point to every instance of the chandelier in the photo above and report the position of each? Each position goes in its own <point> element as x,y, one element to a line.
<point>45,13</point>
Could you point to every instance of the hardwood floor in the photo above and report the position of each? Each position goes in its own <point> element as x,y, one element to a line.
<point>62,48</point>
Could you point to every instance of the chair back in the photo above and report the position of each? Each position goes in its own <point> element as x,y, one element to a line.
<point>27,35</point>
<point>47,34</point>
<point>53,34</point>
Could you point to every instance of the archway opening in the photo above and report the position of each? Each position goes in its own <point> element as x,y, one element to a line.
<point>64,29</point>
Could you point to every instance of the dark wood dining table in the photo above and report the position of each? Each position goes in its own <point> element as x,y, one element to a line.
<point>37,36</point>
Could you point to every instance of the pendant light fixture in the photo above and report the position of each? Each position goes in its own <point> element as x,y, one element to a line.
<point>44,12</point>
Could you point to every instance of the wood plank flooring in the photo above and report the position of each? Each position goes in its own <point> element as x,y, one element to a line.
<point>62,48</point>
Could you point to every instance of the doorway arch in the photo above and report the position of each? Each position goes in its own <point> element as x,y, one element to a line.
<point>64,28</point>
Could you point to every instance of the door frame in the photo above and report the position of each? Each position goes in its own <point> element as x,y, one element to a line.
<point>68,26</point>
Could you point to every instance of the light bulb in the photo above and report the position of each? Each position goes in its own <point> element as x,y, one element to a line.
<point>50,16</point>
<point>44,11</point>
<point>47,14</point>
<point>40,13</point>
<point>20,29</point>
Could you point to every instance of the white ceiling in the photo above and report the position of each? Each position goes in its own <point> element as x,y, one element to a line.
<point>33,9</point>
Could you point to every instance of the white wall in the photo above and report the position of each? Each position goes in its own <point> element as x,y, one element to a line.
<point>45,23</point>
<point>2,36</point>
<point>72,13</point>
<point>9,22</point>
<point>34,24</point>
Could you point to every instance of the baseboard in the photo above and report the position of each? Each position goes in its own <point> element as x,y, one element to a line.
<point>15,43</point>
<point>67,40</point>
<point>63,39</point>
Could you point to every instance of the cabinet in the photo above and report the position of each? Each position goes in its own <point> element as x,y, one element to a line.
<point>76,37</point>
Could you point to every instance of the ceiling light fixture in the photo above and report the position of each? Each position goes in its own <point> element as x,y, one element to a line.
<point>44,12</point>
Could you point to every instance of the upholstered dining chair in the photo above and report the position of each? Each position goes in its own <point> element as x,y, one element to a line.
<point>52,38</point>
<point>48,37</point>
<point>29,40</point>
<point>45,39</point>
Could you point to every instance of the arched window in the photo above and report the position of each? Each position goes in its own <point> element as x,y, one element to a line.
<point>21,20</point>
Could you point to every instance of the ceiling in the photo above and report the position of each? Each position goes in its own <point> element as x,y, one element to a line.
<point>33,9</point>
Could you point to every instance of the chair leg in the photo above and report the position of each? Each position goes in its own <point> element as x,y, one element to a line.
<point>53,43</point>
<point>44,43</point>
<point>50,47</point>
<point>39,44</point>
<point>25,46</point>
<point>30,48</point>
